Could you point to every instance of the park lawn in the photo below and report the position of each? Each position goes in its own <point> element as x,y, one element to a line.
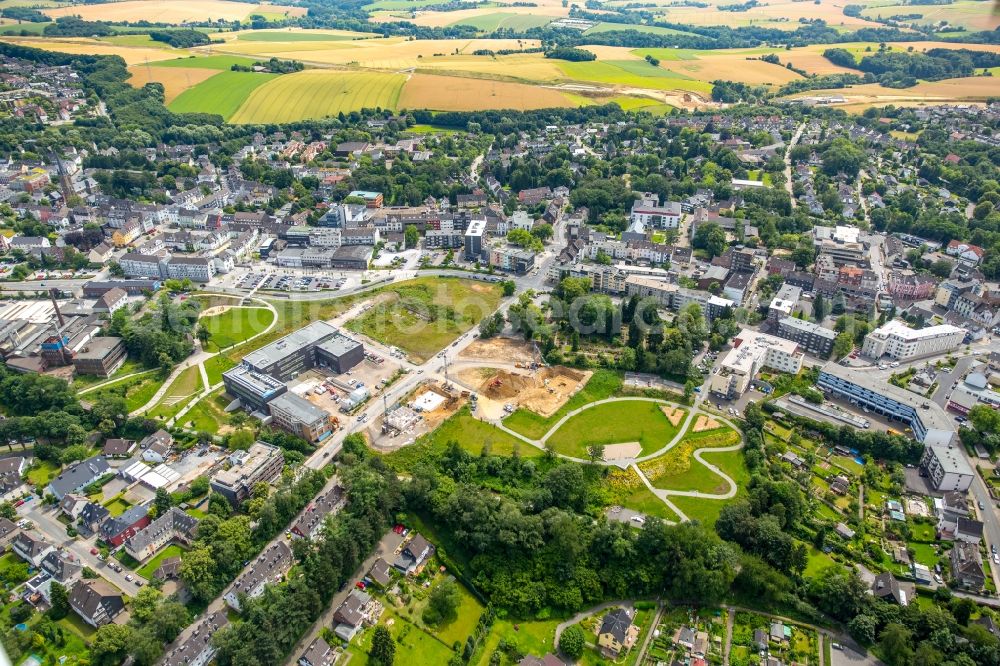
<point>117,506</point>
<point>147,569</point>
<point>470,433</point>
<point>215,366</point>
<point>536,638</point>
<point>137,391</point>
<point>644,501</point>
<point>425,315</point>
<point>209,413</point>
<point>678,469</point>
<point>234,326</point>
<point>178,394</point>
<point>697,508</point>
<point>602,384</point>
<point>702,479</point>
<point>41,475</point>
<point>614,423</point>
<point>130,366</point>
<point>223,93</point>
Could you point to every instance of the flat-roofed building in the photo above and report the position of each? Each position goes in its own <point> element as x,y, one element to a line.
<point>101,356</point>
<point>902,343</point>
<point>291,355</point>
<point>815,339</point>
<point>300,417</point>
<point>947,468</point>
<point>253,389</point>
<point>751,352</point>
<point>261,463</point>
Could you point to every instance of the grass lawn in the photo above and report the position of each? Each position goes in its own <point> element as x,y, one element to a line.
<point>703,510</point>
<point>603,384</point>
<point>425,315</point>
<point>413,644</point>
<point>922,531</point>
<point>178,394</point>
<point>923,553</point>
<point>234,326</point>
<point>215,366</point>
<point>614,423</point>
<point>127,560</point>
<point>530,637</point>
<point>701,478</point>
<point>465,621</point>
<point>43,472</point>
<point>117,506</point>
<point>816,561</point>
<point>128,367</point>
<point>470,433</point>
<point>679,470</point>
<point>137,391</point>
<point>219,62</point>
<point>147,569</point>
<point>645,501</point>
<point>849,464</point>
<point>823,510</point>
<point>209,414</point>
<point>75,623</point>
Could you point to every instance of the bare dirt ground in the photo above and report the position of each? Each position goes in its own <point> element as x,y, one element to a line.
<point>623,450</point>
<point>543,391</point>
<point>453,402</point>
<point>673,414</point>
<point>703,423</point>
<point>215,310</point>
<point>502,349</point>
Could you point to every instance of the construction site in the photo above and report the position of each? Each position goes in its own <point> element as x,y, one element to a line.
<point>542,390</point>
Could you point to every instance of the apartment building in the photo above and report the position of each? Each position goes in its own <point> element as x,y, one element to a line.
<point>474,237</point>
<point>947,468</point>
<point>751,352</point>
<point>196,269</point>
<point>269,568</point>
<point>261,463</point>
<point>647,212</point>
<point>813,338</point>
<point>174,525</point>
<point>926,419</point>
<point>902,343</point>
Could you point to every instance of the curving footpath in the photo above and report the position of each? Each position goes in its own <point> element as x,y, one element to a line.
<point>625,463</point>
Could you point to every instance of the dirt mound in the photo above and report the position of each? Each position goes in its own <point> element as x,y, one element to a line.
<point>703,423</point>
<point>542,391</point>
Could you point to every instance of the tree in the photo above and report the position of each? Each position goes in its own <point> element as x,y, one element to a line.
<point>411,236</point>
<point>111,645</point>
<point>596,452</point>
<point>819,308</point>
<point>162,501</point>
<point>711,238</point>
<point>896,645</point>
<point>383,650</point>
<point>442,604</point>
<point>509,287</point>
<point>571,642</point>
<point>842,345</point>
<point>8,511</point>
<point>59,600</point>
<point>198,572</point>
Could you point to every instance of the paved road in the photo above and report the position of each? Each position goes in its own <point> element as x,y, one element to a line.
<point>788,162</point>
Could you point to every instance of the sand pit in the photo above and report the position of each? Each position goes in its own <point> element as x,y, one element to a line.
<point>543,391</point>
<point>214,310</point>
<point>703,423</point>
<point>623,450</point>
<point>673,414</point>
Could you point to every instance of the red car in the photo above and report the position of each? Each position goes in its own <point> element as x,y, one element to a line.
<point>360,585</point>
<point>93,551</point>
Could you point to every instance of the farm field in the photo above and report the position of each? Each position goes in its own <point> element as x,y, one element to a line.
<point>295,35</point>
<point>80,46</point>
<point>235,325</point>
<point>172,11</point>
<point>317,94</point>
<point>969,14</point>
<point>780,14</point>
<point>221,63</point>
<point>175,80</point>
<point>424,315</point>
<point>969,89</point>
<point>222,94</point>
<point>506,20</point>
<point>637,73</point>
<point>451,93</point>
<point>617,422</point>
<point>389,12</point>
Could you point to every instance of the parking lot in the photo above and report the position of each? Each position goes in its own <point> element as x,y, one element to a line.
<point>270,281</point>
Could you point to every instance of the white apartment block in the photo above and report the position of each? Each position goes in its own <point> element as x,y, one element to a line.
<point>649,213</point>
<point>751,352</point>
<point>946,467</point>
<point>902,343</point>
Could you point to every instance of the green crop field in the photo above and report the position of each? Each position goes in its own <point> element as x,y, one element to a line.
<point>614,423</point>
<point>219,62</point>
<point>318,94</point>
<point>18,29</point>
<point>293,36</point>
<point>223,93</point>
<point>652,29</point>
<point>636,73</point>
<point>495,21</point>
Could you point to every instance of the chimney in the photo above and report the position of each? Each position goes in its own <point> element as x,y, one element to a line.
<point>52,294</point>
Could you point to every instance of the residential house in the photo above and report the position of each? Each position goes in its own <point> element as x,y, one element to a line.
<point>319,653</point>
<point>887,588</point>
<point>967,565</point>
<point>413,555</point>
<point>91,518</point>
<point>31,549</point>
<point>311,521</point>
<point>11,476</point>
<point>8,532</point>
<point>72,505</point>
<point>156,447</point>
<point>174,525</point>
<point>357,610</point>
<point>116,530</point>
<point>615,634</point>
<point>78,476</point>
<point>118,448</point>
<point>197,649</point>
<point>380,573</point>
<point>96,602</point>
<point>269,568</point>
<point>547,660</point>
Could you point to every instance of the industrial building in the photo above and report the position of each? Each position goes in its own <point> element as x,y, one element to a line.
<point>902,343</point>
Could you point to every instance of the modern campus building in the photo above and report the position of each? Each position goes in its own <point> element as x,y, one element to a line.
<point>812,337</point>
<point>947,468</point>
<point>261,463</point>
<point>902,343</point>
<point>751,352</point>
<point>926,419</point>
<point>300,417</point>
<point>474,234</point>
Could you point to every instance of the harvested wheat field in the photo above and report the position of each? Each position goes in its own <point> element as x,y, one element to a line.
<point>172,11</point>
<point>673,414</point>
<point>543,392</point>
<point>79,46</point>
<point>967,89</point>
<point>175,80</point>
<point>731,67</point>
<point>451,93</point>
<point>505,350</point>
<point>703,423</point>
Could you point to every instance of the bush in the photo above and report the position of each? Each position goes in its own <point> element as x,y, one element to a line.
<point>571,642</point>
